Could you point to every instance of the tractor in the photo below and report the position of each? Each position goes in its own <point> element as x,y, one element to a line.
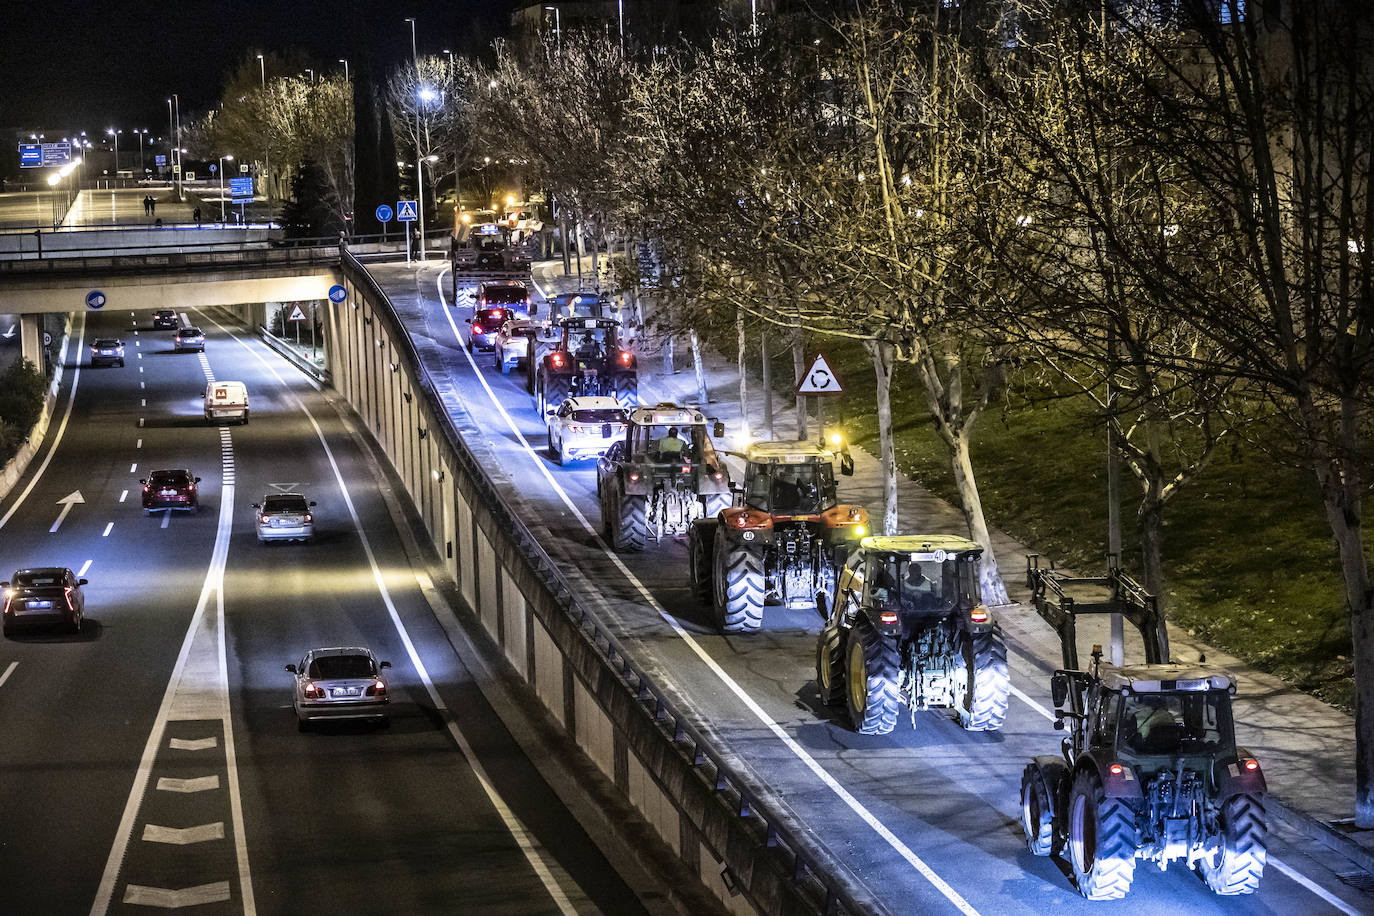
<point>661,477</point>
<point>589,359</point>
<point>908,625</point>
<point>1149,769</point>
<point>783,544</point>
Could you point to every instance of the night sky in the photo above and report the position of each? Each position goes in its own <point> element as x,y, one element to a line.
<point>67,65</point>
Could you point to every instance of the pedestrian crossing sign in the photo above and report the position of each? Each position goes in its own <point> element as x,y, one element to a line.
<point>405,211</point>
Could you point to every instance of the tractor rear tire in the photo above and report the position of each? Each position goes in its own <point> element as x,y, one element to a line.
<point>627,390</point>
<point>1239,865</point>
<point>738,588</point>
<point>553,392</point>
<point>984,706</point>
<point>871,679</point>
<point>1038,810</point>
<point>699,566</point>
<point>631,522</point>
<point>1102,840</point>
<point>830,666</point>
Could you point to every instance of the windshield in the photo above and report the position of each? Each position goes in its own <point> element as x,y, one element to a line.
<point>601,415</point>
<point>796,489</point>
<point>106,342</point>
<point>674,443</point>
<point>583,341</point>
<point>505,294</point>
<point>189,332</point>
<point>489,316</point>
<point>169,479</point>
<point>328,667</point>
<point>914,583</point>
<point>1175,723</point>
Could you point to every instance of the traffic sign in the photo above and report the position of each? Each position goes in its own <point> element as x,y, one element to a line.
<point>337,293</point>
<point>296,313</point>
<point>47,338</point>
<point>405,211</point>
<point>243,168</point>
<point>57,153</point>
<point>176,169</point>
<point>190,176</point>
<point>30,155</point>
<point>95,299</point>
<point>213,168</point>
<point>159,159</point>
<point>241,187</point>
<point>384,213</point>
<point>819,379</point>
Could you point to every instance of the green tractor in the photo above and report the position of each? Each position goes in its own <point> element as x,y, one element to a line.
<point>1150,769</point>
<point>907,625</point>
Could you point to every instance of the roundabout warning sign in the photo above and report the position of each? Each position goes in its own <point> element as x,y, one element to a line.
<point>819,378</point>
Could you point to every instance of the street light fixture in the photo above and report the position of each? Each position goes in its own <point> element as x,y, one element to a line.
<point>345,63</point>
<point>557,27</point>
<point>115,133</point>
<point>312,74</point>
<point>222,160</point>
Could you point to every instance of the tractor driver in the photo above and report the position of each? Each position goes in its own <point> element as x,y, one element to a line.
<point>586,344</point>
<point>795,490</point>
<point>670,447</point>
<point>919,592</point>
<point>1152,727</point>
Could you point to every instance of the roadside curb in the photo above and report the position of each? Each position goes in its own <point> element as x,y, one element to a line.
<point>1324,833</point>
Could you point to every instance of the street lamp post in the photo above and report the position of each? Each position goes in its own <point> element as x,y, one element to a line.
<point>620,8</point>
<point>267,153</point>
<point>115,133</point>
<point>222,160</point>
<point>312,74</point>
<point>345,63</point>
<point>557,27</point>
<point>419,168</point>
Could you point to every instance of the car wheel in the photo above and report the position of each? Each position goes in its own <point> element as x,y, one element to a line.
<point>77,620</point>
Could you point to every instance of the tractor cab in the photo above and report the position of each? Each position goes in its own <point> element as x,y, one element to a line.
<point>789,478</point>
<point>910,578</point>
<point>668,434</point>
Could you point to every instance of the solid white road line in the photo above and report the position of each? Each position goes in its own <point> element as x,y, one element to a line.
<point>528,844</point>
<point>84,568</point>
<point>778,731</point>
<point>1301,879</point>
<point>8,671</point>
<point>61,428</point>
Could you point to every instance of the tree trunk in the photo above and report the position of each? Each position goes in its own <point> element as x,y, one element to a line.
<point>767,367</point>
<point>739,367</point>
<point>994,590</point>
<point>563,238</point>
<point>668,367</point>
<point>699,370</point>
<point>881,353</point>
<point>798,367</point>
<point>1152,552</point>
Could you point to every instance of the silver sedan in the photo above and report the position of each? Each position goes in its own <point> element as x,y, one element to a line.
<point>284,517</point>
<point>340,683</point>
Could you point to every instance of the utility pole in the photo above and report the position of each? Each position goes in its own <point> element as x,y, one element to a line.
<point>1113,495</point>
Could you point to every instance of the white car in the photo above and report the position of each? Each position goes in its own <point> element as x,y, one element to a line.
<point>340,683</point>
<point>584,427</point>
<point>284,517</point>
<point>512,345</point>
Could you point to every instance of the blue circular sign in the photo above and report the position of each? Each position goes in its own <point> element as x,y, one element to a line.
<point>337,293</point>
<point>95,299</point>
<point>384,214</point>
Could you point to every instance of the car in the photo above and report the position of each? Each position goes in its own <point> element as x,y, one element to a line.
<point>284,517</point>
<point>582,303</point>
<point>164,318</point>
<point>345,682</point>
<point>173,488</point>
<point>107,351</point>
<point>512,344</point>
<point>188,339</point>
<point>486,324</point>
<point>584,427</point>
<point>43,595</point>
<point>510,293</point>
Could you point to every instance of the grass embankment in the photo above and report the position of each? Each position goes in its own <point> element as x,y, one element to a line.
<point>21,403</point>
<point>1250,564</point>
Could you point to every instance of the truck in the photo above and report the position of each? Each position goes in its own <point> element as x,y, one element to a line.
<point>1149,770</point>
<point>783,544</point>
<point>588,360</point>
<point>907,624</point>
<point>489,250</point>
<point>661,477</point>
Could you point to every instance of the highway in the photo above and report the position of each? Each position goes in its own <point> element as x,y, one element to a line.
<point>927,817</point>
<point>154,759</point>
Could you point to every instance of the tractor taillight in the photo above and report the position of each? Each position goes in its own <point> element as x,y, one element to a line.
<point>558,360</point>
<point>1116,769</point>
<point>718,476</point>
<point>634,476</point>
<point>979,614</point>
<point>888,617</point>
<point>625,357</point>
<point>1252,764</point>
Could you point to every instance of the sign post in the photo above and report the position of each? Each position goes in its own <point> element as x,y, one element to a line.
<point>296,317</point>
<point>406,212</point>
<point>821,381</point>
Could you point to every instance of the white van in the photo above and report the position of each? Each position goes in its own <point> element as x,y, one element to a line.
<point>226,401</point>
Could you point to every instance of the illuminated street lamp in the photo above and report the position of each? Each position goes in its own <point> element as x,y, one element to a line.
<point>222,160</point>
<point>345,63</point>
<point>557,27</point>
<point>115,133</point>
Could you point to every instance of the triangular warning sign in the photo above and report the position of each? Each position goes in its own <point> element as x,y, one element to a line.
<point>819,379</point>
<point>296,314</point>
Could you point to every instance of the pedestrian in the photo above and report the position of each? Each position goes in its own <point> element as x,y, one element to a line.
<point>152,206</point>
<point>197,216</point>
<point>146,200</point>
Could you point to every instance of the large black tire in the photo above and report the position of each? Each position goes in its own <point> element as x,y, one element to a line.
<point>627,389</point>
<point>1102,840</point>
<point>988,687</point>
<point>714,504</point>
<point>699,565</point>
<point>553,392</point>
<point>870,679</point>
<point>830,666</point>
<point>737,588</point>
<point>630,520</point>
<point>1037,810</point>
<point>1239,866</point>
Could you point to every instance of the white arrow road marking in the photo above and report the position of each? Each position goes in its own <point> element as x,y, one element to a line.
<point>8,671</point>
<point>66,503</point>
<point>198,784</point>
<point>183,836</point>
<point>10,332</point>
<point>194,744</point>
<point>168,899</point>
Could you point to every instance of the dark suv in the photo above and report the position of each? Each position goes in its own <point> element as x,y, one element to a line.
<point>164,318</point>
<point>170,489</point>
<point>107,351</point>
<point>43,595</point>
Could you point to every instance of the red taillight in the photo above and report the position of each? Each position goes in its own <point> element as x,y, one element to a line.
<point>558,360</point>
<point>145,489</point>
<point>477,328</point>
<point>309,517</point>
<point>1252,764</point>
<point>625,357</point>
<point>1116,769</point>
<point>378,689</point>
<point>978,615</point>
<point>888,617</point>
<point>575,428</point>
<point>67,593</point>
<point>686,469</point>
<point>264,519</point>
<point>718,475</point>
<point>314,693</point>
<point>634,476</point>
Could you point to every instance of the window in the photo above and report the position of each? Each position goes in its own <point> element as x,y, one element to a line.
<point>329,667</point>
<point>1176,723</point>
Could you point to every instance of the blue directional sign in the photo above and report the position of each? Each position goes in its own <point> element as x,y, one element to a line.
<point>30,155</point>
<point>95,299</point>
<point>405,211</point>
<point>241,187</point>
<point>384,214</point>
<point>160,159</point>
<point>337,293</point>
<point>57,153</point>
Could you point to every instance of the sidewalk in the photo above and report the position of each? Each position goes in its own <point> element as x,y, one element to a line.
<point>1307,748</point>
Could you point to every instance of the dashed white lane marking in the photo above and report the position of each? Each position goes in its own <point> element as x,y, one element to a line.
<point>139,444</point>
<point>83,570</point>
<point>140,368</point>
<point>140,356</point>
<point>133,467</point>
<point>123,495</point>
<point>183,836</point>
<point>141,385</point>
<point>528,844</point>
<point>167,899</point>
<point>8,671</point>
<point>194,744</point>
<point>108,529</point>
<point>142,402</point>
<point>140,421</point>
<point>136,344</point>
<point>166,518</point>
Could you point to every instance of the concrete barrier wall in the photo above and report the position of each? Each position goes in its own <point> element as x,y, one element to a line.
<point>709,815</point>
<point>15,467</point>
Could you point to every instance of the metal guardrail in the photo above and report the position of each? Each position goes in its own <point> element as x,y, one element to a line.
<point>731,790</point>
<point>180,257</point>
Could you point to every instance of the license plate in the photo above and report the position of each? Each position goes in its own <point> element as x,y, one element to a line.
<point>38,605</point>
<point>168,493</point>
<point>346,691</point>
<point>286,522</point>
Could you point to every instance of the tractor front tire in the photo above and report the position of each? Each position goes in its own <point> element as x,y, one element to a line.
<point>1239,865</point>
<point>738,588</point>
<point>985,696</point>
<point>830,666</point>
<point>1102,840</point>
<point>871,679</point>
<point>631,522</point>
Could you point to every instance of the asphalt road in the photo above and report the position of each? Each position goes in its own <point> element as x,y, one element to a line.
<point>29,209</point>
<point>926,817</point>
<point>156,754</point>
